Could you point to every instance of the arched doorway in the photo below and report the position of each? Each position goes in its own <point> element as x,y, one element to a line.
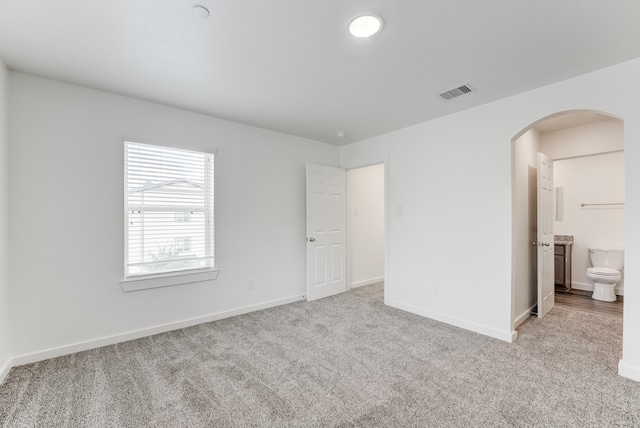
<point>589,137</point>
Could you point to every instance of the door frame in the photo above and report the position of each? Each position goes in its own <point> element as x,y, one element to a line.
<point>387,284</point>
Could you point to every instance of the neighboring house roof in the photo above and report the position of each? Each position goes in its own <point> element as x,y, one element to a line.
<point>156,186</point>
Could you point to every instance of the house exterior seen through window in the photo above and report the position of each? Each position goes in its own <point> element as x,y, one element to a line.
<point>169,210</point>
<point>183,245</point>
<point>183,216</point>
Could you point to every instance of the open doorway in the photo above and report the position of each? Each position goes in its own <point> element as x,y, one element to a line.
<point>366,226</point>
<point>587,150</point>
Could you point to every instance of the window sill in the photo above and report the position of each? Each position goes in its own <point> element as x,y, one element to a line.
<point>156,281</point>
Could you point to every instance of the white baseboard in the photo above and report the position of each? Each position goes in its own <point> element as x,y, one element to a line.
<point>629,371</point>
<point>5,368</point>
<point>137,334</point>
<point>366,282</point>
<point>582,286</point>
<point>523,317</point>
<point>507,336</point>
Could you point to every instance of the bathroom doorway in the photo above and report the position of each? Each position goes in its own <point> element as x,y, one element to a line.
<point>587,149</point>
<point>366,226</point>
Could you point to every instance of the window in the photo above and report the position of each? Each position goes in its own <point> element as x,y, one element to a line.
<point>169,210</point>
<point>183,245</point>
<point>183,216</point>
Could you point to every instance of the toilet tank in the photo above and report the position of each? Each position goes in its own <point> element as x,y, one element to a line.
<point>607,257</point>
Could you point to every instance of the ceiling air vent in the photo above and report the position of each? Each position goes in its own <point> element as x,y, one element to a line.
<point>456,92</point>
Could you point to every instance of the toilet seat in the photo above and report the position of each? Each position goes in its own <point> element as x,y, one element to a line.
<point>603,271</point>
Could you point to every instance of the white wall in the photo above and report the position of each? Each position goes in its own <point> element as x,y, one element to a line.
<point>5,348</point>
<point>450,244</point>
<point>597,177</point>
<point>525,152</point>
<point>66,217</point>
<point>365,225</point>
<point>594,138</point>
<point>591,179</point>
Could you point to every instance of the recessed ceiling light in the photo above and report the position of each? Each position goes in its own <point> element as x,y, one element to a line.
<point>200,11</point>
<point>341,134</point>
<point>365,24</point>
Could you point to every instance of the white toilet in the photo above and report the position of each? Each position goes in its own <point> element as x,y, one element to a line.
<point>605,273</point>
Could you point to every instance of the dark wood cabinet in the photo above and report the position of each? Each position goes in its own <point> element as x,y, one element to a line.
<point>559,267</point>
<point>562,266</point>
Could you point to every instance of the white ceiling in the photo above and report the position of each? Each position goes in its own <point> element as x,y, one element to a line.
<point>291,65</point>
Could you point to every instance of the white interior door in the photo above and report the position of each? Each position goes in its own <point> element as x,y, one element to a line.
<point>545,239</point>
<point>326,231</point>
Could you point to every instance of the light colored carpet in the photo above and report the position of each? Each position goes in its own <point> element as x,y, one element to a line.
<point>343,361</point>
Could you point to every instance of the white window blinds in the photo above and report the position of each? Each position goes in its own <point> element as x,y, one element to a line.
<point>169,210</point>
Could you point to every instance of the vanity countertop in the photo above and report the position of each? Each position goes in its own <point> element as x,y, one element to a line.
<point>563,239</point>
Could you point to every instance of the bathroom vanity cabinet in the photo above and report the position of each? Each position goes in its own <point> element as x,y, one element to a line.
<point>562,265</point>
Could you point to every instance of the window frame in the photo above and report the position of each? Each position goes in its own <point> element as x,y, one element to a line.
<point>175,277</point>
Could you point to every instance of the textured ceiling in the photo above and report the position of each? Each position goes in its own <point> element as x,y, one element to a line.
<point>291,65</point>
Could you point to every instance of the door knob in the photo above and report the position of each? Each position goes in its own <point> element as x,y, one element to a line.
<point>311,239</point>
<point>545,244</point>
